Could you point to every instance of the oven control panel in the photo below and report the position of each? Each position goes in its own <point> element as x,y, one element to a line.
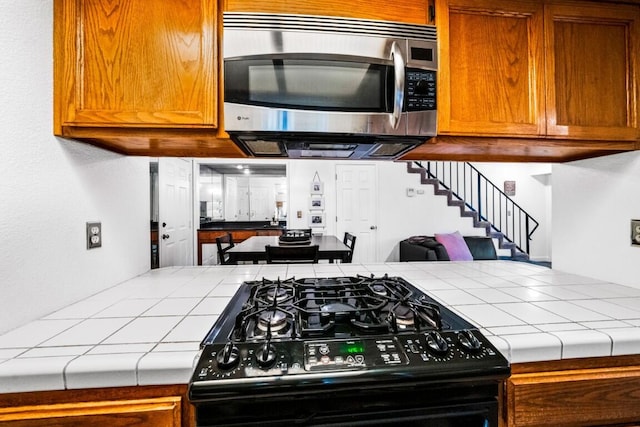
<point>349,354</point>
<point>439,352</point>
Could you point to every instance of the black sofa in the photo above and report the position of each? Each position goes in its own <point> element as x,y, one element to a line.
<point>427,248</point>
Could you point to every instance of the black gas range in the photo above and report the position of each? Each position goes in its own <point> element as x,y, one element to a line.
<point>344,351</point>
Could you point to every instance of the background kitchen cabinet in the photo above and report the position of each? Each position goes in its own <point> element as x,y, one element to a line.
<point>408,11</point>
<point>526,68</point>
<point>248,199</point>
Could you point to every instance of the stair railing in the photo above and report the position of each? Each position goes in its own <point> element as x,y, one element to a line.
<point>482,196</point>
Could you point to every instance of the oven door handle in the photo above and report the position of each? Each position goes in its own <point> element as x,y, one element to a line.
<point>398,86</point>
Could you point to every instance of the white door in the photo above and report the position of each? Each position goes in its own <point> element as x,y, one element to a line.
<point>357,207</point>
<point>175,212</point>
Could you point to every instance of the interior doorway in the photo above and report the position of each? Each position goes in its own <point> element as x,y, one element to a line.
<point>357,208</point>
<point>172,212</point>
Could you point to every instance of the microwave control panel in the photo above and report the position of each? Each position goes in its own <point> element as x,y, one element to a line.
<point>420,93</point>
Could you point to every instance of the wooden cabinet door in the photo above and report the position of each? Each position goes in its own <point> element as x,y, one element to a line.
<point>157,412</point>
<point>592,71</point>
<point>491,78</point>
<point>136,63</point>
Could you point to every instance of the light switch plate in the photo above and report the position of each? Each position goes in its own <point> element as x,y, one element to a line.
<point>635,232</point>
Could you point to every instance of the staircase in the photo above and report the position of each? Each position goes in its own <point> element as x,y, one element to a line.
<point>479,199</point>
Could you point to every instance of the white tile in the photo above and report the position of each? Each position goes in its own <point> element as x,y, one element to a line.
<point>559,278</point>
<point>530,313</point>
<point>34,333</point>
<point>127,308</point>
<point>608,308</point>
<point>528,294</point>
<point>91,331</point>
<point>224,290</point>
<point>605,324</point>
<point>525,281</point>
<point>196,288</point>
<point>82,309</point>
<point>571,311</point>
<point>501,345</point>
<point>496,282</point>
<point>492,296</point>
<point>121,348</point>
<point>632,303</point>
<point>211,306</point>
<point>56,351</point>
<point>560,292</point>
<point>513,330</point>
<point>144,329</point>
<point>10,353</point>
<point>166,367</point>
<point>553,327</point>
<point>430,284</point>
<point>454,297</point>
<point>466,283</point>
<point>599,290</point>
<point>192,328</point>
<point>177,346</point>
<point>32,374</point>
<point>533,347</point>
<point>102,370</point>
<point>625,340</point>
<point>585,343</point>
<point>173,307</point>
<point>484,315</point>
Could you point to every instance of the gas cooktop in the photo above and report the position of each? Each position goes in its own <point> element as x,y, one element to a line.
<point>305,332</point>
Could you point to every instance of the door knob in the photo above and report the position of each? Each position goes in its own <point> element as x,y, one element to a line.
<point>373,227</point>
<point>165,236</point>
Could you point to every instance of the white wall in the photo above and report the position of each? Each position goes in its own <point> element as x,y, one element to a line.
<point>593,203</point>
<point>49,187</point>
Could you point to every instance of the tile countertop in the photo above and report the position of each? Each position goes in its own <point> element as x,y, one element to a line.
<point>147,330</point>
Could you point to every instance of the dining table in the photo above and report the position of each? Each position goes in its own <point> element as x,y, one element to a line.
<point>253,248</point>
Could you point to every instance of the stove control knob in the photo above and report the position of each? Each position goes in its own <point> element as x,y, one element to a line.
<point>436,343</point>
<point>266,356</point>
<point>469,340</point>
<point>228,357</point>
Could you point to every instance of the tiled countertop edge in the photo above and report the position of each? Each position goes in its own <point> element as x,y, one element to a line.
<point>77,365</point>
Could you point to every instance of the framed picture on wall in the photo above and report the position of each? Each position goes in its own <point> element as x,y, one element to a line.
<point>316,220</point>
<point>317,187</point>
<point>316,204</point>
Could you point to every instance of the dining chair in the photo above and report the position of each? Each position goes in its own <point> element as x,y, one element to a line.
<point>224,243</point>
<point>350,241</point>
<point>292,254</point>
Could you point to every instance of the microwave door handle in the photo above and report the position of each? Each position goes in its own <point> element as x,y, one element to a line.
<point>398,87</point>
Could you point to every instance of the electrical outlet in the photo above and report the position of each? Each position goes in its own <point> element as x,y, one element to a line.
<point>94,235</point>
<point>635,232</point>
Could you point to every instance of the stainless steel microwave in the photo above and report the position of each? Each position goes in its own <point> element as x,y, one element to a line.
<point>326,87</point>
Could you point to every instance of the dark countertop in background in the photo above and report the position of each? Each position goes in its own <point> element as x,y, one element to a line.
<point>241,225</point>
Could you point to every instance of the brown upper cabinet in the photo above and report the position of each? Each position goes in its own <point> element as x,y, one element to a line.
<point>536,69</point>
<point>407,11</point>
<point>139,77</point>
